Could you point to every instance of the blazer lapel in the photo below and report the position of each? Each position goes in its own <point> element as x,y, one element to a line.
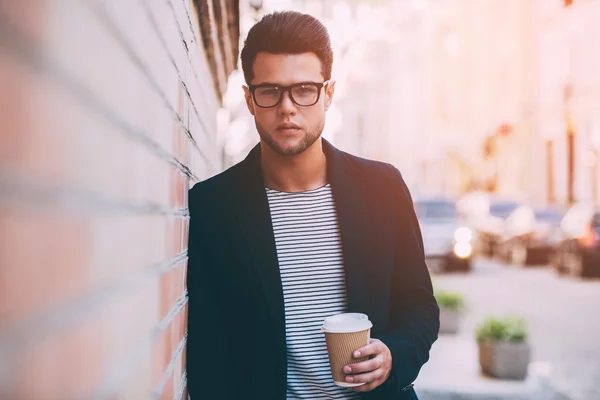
<point>354,225</point>
<point>252,210</point>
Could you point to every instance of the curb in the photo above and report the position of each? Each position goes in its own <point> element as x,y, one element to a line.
<point>545,393</point>
<point>453,373</point>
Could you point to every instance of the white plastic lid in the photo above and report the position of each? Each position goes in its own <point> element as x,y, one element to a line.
<point>346,323</point>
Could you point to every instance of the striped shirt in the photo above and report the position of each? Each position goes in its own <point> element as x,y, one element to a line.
<point>309,250</point>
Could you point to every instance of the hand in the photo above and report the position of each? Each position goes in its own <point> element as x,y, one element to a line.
<point>374,371</point>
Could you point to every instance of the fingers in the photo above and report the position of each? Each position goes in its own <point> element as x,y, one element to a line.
<point>375,347</point>
<point>365,366</point>
<point>367,377</point>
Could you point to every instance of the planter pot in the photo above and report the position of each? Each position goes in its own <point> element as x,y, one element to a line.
<point>504,360</point>
<point>449,321</point>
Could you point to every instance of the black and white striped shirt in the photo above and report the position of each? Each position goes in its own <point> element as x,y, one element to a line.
<point>309,250</point>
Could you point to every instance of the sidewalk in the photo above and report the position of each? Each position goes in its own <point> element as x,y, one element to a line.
<point>452,373</point>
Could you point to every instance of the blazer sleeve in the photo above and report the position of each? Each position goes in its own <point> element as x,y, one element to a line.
<point>206,352</point>
<point>414,310</point>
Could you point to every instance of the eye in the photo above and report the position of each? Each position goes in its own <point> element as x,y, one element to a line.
<point>268,91</point>
<point>307,89</point>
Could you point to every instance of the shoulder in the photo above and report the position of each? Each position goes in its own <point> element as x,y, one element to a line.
<point>215,188</point>
<point>380,178</point>
<point>375,171</point>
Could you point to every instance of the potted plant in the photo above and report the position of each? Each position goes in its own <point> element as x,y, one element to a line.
<point>504,351</point>
<point>451,306</point>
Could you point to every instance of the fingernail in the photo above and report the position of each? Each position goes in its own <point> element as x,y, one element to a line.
<point>349,378</point>
<point>347,369</point>
<point>356,354</point>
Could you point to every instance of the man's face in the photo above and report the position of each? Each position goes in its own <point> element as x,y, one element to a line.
<point>288,128</point>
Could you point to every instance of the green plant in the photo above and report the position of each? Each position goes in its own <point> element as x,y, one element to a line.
<point>502,329</point>
<point>449,300</point>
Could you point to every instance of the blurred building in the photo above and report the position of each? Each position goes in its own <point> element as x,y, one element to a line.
<point>514,98</point>
<point>108,116</point>
<point>382,87</point>
<point>567,113</point>
<point>480,62</point>
<point>496,95</point>
<point>511,96</point>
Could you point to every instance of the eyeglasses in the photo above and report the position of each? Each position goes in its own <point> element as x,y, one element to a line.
<point>304,94</point>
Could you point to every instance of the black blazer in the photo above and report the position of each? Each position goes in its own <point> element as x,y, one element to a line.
<point>236,346</point>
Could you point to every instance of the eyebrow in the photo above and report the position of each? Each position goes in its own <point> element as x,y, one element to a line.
<point>279,84</point>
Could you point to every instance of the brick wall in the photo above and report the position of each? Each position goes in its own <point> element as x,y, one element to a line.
<point>107,116</point>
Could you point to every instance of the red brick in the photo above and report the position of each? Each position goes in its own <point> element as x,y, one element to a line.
<point>27,16</point>
<point>32,139</point>
<point>161,355</point>
<point>177,188</point>
<point>125,245</point>
<point>66,366</point>
<point>16,134</point>
<point>179,327</point>
<point>168,390</point>
<point>164,347</point>
<point>82,358</point>
<point>170,290</point>
<point>178,241</point>
<point>108,162</point>
<point>46,256</point>
<point>129,319</point>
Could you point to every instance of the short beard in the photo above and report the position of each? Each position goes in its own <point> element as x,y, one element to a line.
<point>308,140</point>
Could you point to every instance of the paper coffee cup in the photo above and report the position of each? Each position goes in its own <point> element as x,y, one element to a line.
<point>345,333</point>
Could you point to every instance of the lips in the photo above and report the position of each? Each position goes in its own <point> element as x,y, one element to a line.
<point>287,126</point>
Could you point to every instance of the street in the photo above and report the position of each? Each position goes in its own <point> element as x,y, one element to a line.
<point>562,315</point>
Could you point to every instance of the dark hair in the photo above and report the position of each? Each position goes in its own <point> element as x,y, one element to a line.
<point>287,32</point>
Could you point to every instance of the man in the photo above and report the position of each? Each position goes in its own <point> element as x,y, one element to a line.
<point>297,232</point>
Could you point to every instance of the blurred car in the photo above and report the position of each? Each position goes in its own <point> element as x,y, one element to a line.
<point>526,236</point>
<point>490,225</point>
<point>446,240</point>
<point>577,242</point>
<point>472,205</point>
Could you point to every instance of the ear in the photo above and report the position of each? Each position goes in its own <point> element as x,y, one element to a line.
<point>329,91</point>
<point>248,97</point>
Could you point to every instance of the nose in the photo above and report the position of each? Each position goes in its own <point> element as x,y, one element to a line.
<point>286,105</point>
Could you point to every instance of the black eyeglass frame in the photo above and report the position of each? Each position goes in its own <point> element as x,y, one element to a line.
<point>288,89</point>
